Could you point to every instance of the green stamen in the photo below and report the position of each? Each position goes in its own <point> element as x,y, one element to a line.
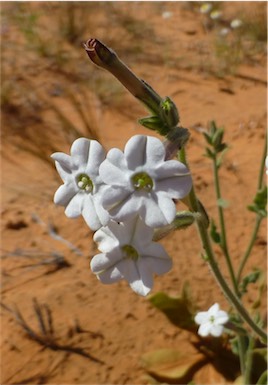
<point>142,181</point>
<point>84,183</point>
<point>130,252</point>
<point>212,319</point>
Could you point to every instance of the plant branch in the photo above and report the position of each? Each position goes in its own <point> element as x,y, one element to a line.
<point>234,300</point>
<point>223,242</point>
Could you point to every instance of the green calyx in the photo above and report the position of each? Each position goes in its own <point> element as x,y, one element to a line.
<point>142,181</point>
<point>84,183</point>
<point>130,252</point>
<point>169,112</point>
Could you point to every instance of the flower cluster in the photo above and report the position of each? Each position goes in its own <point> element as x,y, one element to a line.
<point>124,196</point>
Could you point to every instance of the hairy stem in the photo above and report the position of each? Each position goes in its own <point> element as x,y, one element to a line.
<point>234,300</point>
<point>223,243</point>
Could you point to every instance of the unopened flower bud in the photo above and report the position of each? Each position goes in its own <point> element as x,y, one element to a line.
<point>106,58</point>
<point>169,112</point>
<point>176,139</point>
<point>183,219</point>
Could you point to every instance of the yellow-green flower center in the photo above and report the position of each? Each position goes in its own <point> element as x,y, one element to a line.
<point>142,181</point>
<point>212,319</point>
<point>84,183</point>
<point>130,252</point>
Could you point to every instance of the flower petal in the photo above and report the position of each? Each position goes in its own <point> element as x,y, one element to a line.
<point>201,317</point>
<point>155,250</point>
<point>166,205</point>
<point>152,214</point>
<point>64,160</point>
<point>131,273</point>
<point>102,213</point>
<point>103,262</point>
<point>126,209</point>
<point>111,196</point>
<point>204,329</point>
<point>216,330</point>
<point>74,208</point>
<point>143,150</point>
<point>156,265</point>
<point>143,235</point>
<point>170,168</point>
<point>113,169</point>
<point>64,194</point>
<point>89,212</point>
<point>95,157</point>
<point>105,239</point>
<point>80,152</point>
<point>110,275</point>
<point>213,310</point>
<point>176,187</point>
<point>221,318</point>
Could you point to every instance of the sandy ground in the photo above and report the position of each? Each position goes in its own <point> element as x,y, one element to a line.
<point>105,330</point>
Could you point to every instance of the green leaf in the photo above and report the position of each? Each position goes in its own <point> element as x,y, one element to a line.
<point>250,278</point>
<point>260,202</point>
<point>220,147</point>
<point>212,128</point>
<point>220,157</point>
<point>259,363</point>
<point>152,122</point>
<point>179,310</point>
<point>182,220</point>
<point>217,137</point>
<point>207,137</point>
<point>209,153</point>
<point>215,235</point>
<point>172,366</point>
<point>263,380</point>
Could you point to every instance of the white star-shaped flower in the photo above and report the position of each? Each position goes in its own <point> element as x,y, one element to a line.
<point>211,321</point>
<point>129,253</point>
<point>140,181</point>
<point>82,183</point>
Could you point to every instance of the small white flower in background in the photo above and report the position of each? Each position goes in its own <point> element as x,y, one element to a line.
<point>266,164</point>
<point>205,8</point>
<point>82,183</point>
<point>141,182</point>
<point>211,321</point>
<point>129,253</point>
<point>215,15</point>
<point>167,14</point>
<point>236,23</point>
<point>224,31</point>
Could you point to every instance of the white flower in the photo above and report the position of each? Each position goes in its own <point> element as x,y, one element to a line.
<point>129,253</point>
<point>82,183</point>
<point>236,23</point>
<point>211,321</point>
<point>266,164</point>
<point>141,182</point>
<point>167,14</point>
<point>215,15</point>
<point>224,31</point>
<point>205,8</point>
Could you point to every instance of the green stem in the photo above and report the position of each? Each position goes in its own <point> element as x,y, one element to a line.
<point>258,217</point>
<point>214,267</point>
<point>249,361</point>
<point>261,172</point>
<point>249,248</point>
<point>242,353</point>
<point>219,277</point>
<point>223,243</point>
